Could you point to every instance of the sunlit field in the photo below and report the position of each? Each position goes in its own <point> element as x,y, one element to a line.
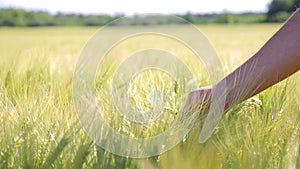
<point>39,126</point>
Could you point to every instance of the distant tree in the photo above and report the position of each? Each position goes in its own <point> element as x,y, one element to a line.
<point>189,17</point>
<point>297,3</point>
<point>280,10</point>
<point>11,17</point>
<point>227,17</point>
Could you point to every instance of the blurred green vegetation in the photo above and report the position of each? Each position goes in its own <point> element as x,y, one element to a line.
<point>21,17</point>
<point>278,11</point>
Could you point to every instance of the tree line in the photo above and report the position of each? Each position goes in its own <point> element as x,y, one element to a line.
<point>279,10</point>
<point>21,17</point>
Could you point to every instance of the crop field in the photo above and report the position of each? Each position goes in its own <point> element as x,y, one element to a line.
<point>39,127</point>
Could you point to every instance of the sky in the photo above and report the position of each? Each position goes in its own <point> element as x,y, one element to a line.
<point>129,7</point>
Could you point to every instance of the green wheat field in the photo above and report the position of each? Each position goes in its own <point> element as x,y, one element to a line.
<point>39,126</point>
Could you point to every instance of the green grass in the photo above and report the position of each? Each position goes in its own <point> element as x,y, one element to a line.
<point>39,127</point>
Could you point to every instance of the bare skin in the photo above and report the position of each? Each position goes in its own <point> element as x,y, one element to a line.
<point>276,60</point>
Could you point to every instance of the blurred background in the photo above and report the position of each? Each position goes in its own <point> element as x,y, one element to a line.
<point>98,13</point>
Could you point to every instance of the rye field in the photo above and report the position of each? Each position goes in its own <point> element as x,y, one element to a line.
<point>39,127</point>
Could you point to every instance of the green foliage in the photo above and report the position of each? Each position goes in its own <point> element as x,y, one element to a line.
<point>224,18</point>
<point>279,16</point>
<point>227,17</point>
<point>280,10</point>
<point>20,17</point>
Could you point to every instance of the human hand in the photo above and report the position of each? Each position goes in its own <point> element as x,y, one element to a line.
<point>198,100</point>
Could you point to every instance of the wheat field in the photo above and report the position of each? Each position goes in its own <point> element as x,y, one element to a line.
<point>39,127</point>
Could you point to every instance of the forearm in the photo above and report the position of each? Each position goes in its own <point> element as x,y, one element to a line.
<point>276,60</point>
